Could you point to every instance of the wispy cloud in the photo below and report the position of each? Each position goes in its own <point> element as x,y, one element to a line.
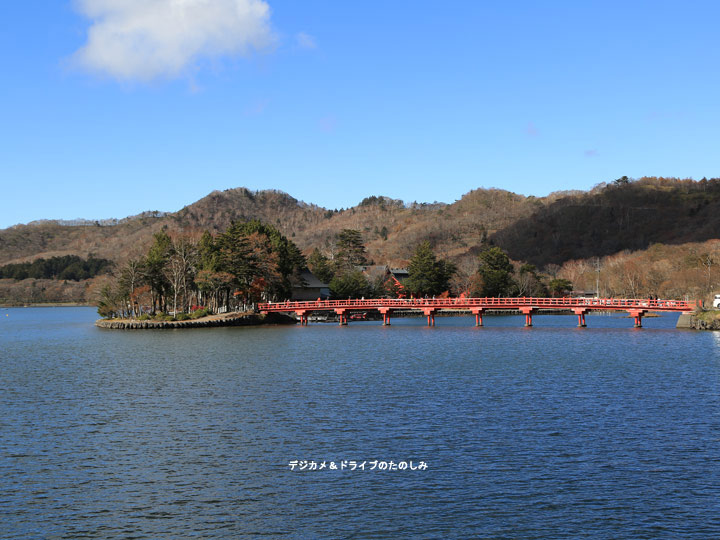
<point>531,130</point>
<point>591,153</point>
<point>305,41</point>
<point>150,39</point>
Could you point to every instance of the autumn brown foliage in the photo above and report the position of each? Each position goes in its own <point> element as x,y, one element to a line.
<point>616,223</point>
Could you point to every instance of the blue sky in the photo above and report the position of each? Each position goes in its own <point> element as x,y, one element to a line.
<point>112,107</point>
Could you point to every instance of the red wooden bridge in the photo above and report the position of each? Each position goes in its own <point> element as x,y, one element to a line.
<point>478,306</point>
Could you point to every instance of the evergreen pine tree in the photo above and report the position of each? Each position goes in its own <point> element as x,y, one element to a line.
<point>496,272</point>
<point>427,275</point>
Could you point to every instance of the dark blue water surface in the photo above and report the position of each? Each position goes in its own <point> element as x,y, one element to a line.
<point>544,433</point>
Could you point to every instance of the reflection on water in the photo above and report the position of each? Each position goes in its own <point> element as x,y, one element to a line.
<point>549,432</point>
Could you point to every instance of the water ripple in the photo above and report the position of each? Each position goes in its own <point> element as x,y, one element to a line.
<point>549,432</point>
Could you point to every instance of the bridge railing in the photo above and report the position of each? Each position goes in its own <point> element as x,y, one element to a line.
<point>488,303</point>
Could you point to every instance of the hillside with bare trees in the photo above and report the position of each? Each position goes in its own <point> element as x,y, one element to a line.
<point>612,222</point>
<point>391,229</point>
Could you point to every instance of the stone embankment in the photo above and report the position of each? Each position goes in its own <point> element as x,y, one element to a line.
<point>228,319</point>
<point>704,320</point>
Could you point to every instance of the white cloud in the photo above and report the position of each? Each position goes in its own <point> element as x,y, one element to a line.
<point>305,41</point>
<point>148,39</point>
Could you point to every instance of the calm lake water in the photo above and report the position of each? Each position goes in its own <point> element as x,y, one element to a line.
<point>543,433</point>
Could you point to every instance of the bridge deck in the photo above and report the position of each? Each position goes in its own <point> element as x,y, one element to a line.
<point>486,303</point>
<point>637,307</point>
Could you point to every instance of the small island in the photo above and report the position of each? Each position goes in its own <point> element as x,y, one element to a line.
<point>190,281</point>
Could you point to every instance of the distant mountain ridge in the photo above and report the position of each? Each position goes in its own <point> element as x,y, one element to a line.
<point>390,228</point>
<point>79,222</point>
<point>562,226</point>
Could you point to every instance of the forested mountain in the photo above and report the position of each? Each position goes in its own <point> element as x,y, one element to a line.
<point>624,215</point>
<point>614,218</point>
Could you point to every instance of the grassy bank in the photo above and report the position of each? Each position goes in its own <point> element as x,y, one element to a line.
<point>710,316</point>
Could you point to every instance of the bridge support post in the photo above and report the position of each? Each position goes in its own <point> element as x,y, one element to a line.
<point>478,312</point>
<point>528,312</point>
<point>303,317</point>
<point>386,316</point>
<point>430,312</point>
<point>581,312</point>
<point>637,314</point>
<point>342,313</point>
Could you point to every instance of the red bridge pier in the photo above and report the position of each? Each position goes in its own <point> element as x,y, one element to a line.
<point>430,312</point>
<point>528,312</point>
<point>637,314</point>
<point>581,312</point>
<point>386,316</point>
<point>342,314</point>
<point>478,312</point>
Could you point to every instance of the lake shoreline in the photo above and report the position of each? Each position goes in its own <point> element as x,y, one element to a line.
<point>707,320</point>
<point>212,321</point>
